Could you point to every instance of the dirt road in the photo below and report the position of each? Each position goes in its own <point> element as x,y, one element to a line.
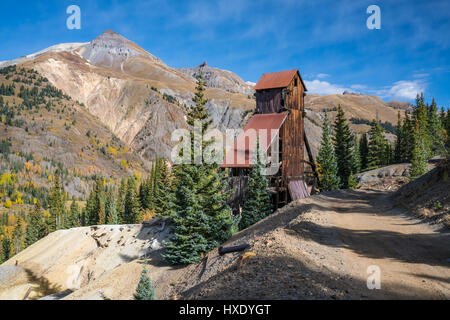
<point>413,256</point>
<point>321,248</point>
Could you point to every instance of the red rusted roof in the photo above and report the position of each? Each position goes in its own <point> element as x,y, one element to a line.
<point>275,80</point>
<point>266,126</point>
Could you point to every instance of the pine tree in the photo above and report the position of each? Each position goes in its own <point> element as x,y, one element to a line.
<point>145,289</point>
<point>435,131</point>
<point>56,204</point>
<point>399,142</point>
<point>95,206</point>
<point>18,236</point>
<point>442,115</point>
<point>420,123</point>
<point>352,183</point>
<point>163,194</point>
<point>32,233</point>
<point>101,213</point>
<point>6,248</point>
<point>408,139</point>
<point>257,206</point>
<point>74,215</point>
<point>110,208</point>
<point>363,150</point>
<point>120,206</point>
<point>132,212</point>
<point>356,157</point>
<point>201,217</point>
<point>327,164</point>
<point>343,144</point>
<point>419,158</point>
<point>447,123</point>
<point>376,153</point>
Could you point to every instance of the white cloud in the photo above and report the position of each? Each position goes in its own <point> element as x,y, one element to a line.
<point>324,87</point>
<point>406,89</point>
<point>322,75</point>
<point>250,83</point>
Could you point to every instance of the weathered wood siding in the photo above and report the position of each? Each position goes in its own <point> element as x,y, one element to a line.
<point>292,131</point>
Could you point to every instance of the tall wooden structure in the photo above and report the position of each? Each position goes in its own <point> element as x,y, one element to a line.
<point>280,109</point>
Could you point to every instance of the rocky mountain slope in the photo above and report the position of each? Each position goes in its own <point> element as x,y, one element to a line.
<point>43,130</point>
<point>139,98</point>
<point>142,100</point>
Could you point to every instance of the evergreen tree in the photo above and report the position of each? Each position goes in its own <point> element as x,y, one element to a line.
<point>18,236</point>
<point>257,206</point>
<point>363,150</point>
<point>120,206</point>
<point>145,289</point>
<point>95,206</point>
<point>356,157</point>
<point>399,142</point>
<point>376,153</point>
<point>327,164</point>
<point>343,144</point>
<point>56,204</point>
<point>201,216</point>
<point>132,212</point>
<point>419,158</point>
<point>163,194</point>
<point>6,248</point>
<point>442,118</point>
<point>420,124</point>
<point>352,183</point>
<point>435,131</point>
<point>408,139</point>
<point>447,123</point>
<point>32,233</point>
<point>146,193</point>
<point>110,208</point>
<point>74,220</point>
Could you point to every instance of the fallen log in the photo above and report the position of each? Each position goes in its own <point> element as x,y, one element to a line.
<point>237,248</point>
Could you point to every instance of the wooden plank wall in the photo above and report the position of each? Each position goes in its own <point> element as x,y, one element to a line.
<point>292,131</point>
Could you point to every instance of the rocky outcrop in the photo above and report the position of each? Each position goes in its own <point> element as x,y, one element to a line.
<point>218,78</point>
<point>67,261</point>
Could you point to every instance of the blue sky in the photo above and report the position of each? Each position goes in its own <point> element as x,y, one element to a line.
<point>328,41</point>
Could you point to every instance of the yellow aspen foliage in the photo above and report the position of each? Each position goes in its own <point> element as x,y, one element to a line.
<point>124,163</point>
<point>12,220</point>
<point>18,198</point>
<point>8,204</point>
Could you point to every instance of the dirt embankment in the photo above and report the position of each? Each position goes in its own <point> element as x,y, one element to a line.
<point>429,195</point>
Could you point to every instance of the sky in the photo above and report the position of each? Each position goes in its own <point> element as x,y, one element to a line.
<point>328,41</point>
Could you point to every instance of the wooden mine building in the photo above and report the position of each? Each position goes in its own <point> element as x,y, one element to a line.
<point>280,112</point>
